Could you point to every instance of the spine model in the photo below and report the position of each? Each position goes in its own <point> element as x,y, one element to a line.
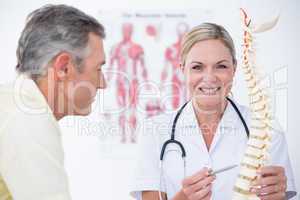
<point>256,154</point>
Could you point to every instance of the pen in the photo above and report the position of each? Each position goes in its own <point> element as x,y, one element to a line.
<point>222,169</point>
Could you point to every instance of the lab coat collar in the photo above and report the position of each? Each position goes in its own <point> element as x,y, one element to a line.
<point>188,126</point>
<point>188,118</point>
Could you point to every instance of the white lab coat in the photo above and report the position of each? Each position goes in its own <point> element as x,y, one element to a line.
<point>227,148</point>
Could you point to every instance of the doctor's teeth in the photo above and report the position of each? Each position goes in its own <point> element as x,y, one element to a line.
<point>209,90</point>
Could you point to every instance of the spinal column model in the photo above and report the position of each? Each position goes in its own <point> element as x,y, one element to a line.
<point>172,55</point>
<point>256,154</point>
<point>129,60</point>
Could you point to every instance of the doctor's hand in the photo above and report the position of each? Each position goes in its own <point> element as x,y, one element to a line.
<point>198,186</point>
<point>271,183</point>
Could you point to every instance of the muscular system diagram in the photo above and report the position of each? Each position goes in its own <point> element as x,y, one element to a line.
<point>128,66</point>
<point>171,75</point>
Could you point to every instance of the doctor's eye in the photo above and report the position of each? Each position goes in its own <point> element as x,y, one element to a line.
<point>197,67</point>
<point>222,67</point>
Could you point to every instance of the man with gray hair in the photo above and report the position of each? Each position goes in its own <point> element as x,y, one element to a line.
<point>60,55</point>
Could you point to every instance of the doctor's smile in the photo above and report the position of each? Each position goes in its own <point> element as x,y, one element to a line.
<point>209,90</point>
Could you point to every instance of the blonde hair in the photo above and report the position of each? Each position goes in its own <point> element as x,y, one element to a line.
<point>206,31</point>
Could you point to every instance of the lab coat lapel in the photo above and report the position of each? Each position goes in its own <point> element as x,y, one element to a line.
<point>225,126</point>
<point>189,130</point>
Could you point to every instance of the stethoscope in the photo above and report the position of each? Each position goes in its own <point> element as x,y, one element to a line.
<point>172,140</point>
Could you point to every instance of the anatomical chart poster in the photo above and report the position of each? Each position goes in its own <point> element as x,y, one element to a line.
<point>142,69</point>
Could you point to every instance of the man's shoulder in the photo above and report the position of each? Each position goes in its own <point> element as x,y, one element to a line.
<point>22,125</point>
<point>22,106</point>
<point>27,132</point>
<point>18,119</point>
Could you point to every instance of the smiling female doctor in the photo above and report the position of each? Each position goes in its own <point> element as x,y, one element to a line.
<point>210,132</point>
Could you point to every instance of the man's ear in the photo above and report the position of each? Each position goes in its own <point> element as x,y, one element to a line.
<point>62,65</point>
